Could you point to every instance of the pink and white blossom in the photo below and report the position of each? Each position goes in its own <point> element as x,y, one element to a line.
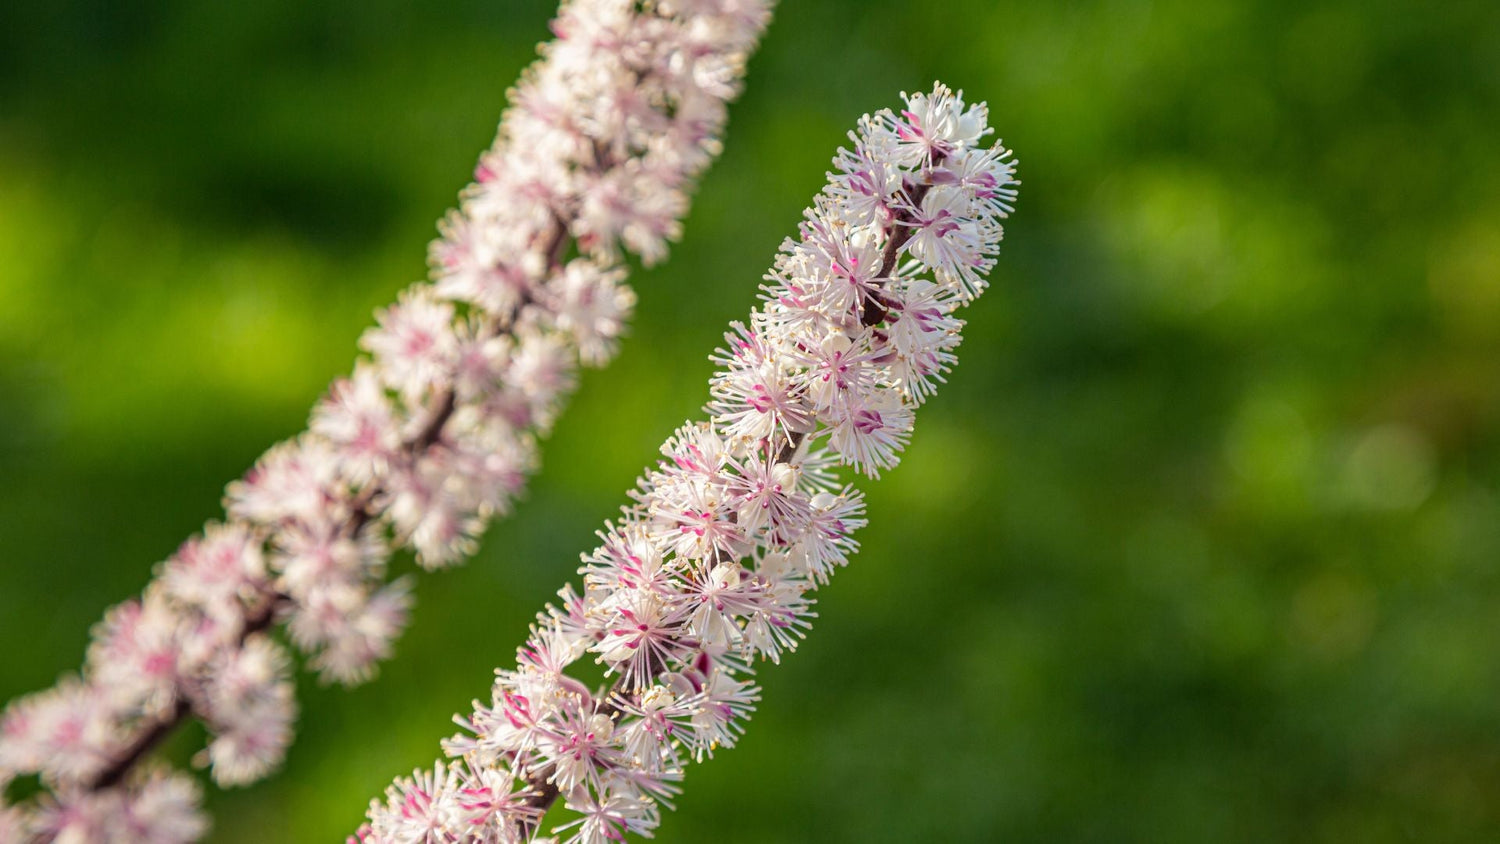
<point>432,436</point>
<point>713,564</point>
<point>158,807</point>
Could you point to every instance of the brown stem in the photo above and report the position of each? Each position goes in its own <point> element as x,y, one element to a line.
<point>434,428</point>
<point>872,310</point>
<point>143,744</point>
<point>788,448</point>
<point>545,794</point>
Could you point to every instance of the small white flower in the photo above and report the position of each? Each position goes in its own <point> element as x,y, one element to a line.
<point>294,480</point>
<point>594,307</point>
<point>359,420</point>
<point>414,344</point>
<point>162,809</point>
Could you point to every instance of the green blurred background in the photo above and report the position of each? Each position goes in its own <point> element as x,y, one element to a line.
<point>1200,543</point>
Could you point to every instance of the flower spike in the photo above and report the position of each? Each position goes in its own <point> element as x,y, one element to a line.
<point>431,436</point>
<point>712,566</point>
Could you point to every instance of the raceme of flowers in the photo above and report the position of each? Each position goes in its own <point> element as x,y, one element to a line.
<point>711,566</point>
<point>429,438</point>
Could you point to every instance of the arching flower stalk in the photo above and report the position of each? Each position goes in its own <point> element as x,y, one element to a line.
<point>711,567</point>
<point>430,437</point>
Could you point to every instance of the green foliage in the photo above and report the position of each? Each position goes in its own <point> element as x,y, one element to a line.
<point>1200,544</point>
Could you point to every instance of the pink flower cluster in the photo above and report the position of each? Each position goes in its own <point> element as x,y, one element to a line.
<point>430,437</point>
<point>712,565</point>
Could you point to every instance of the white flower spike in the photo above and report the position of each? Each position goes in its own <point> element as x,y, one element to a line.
<point>712,566</point>
<point>429,438</point>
